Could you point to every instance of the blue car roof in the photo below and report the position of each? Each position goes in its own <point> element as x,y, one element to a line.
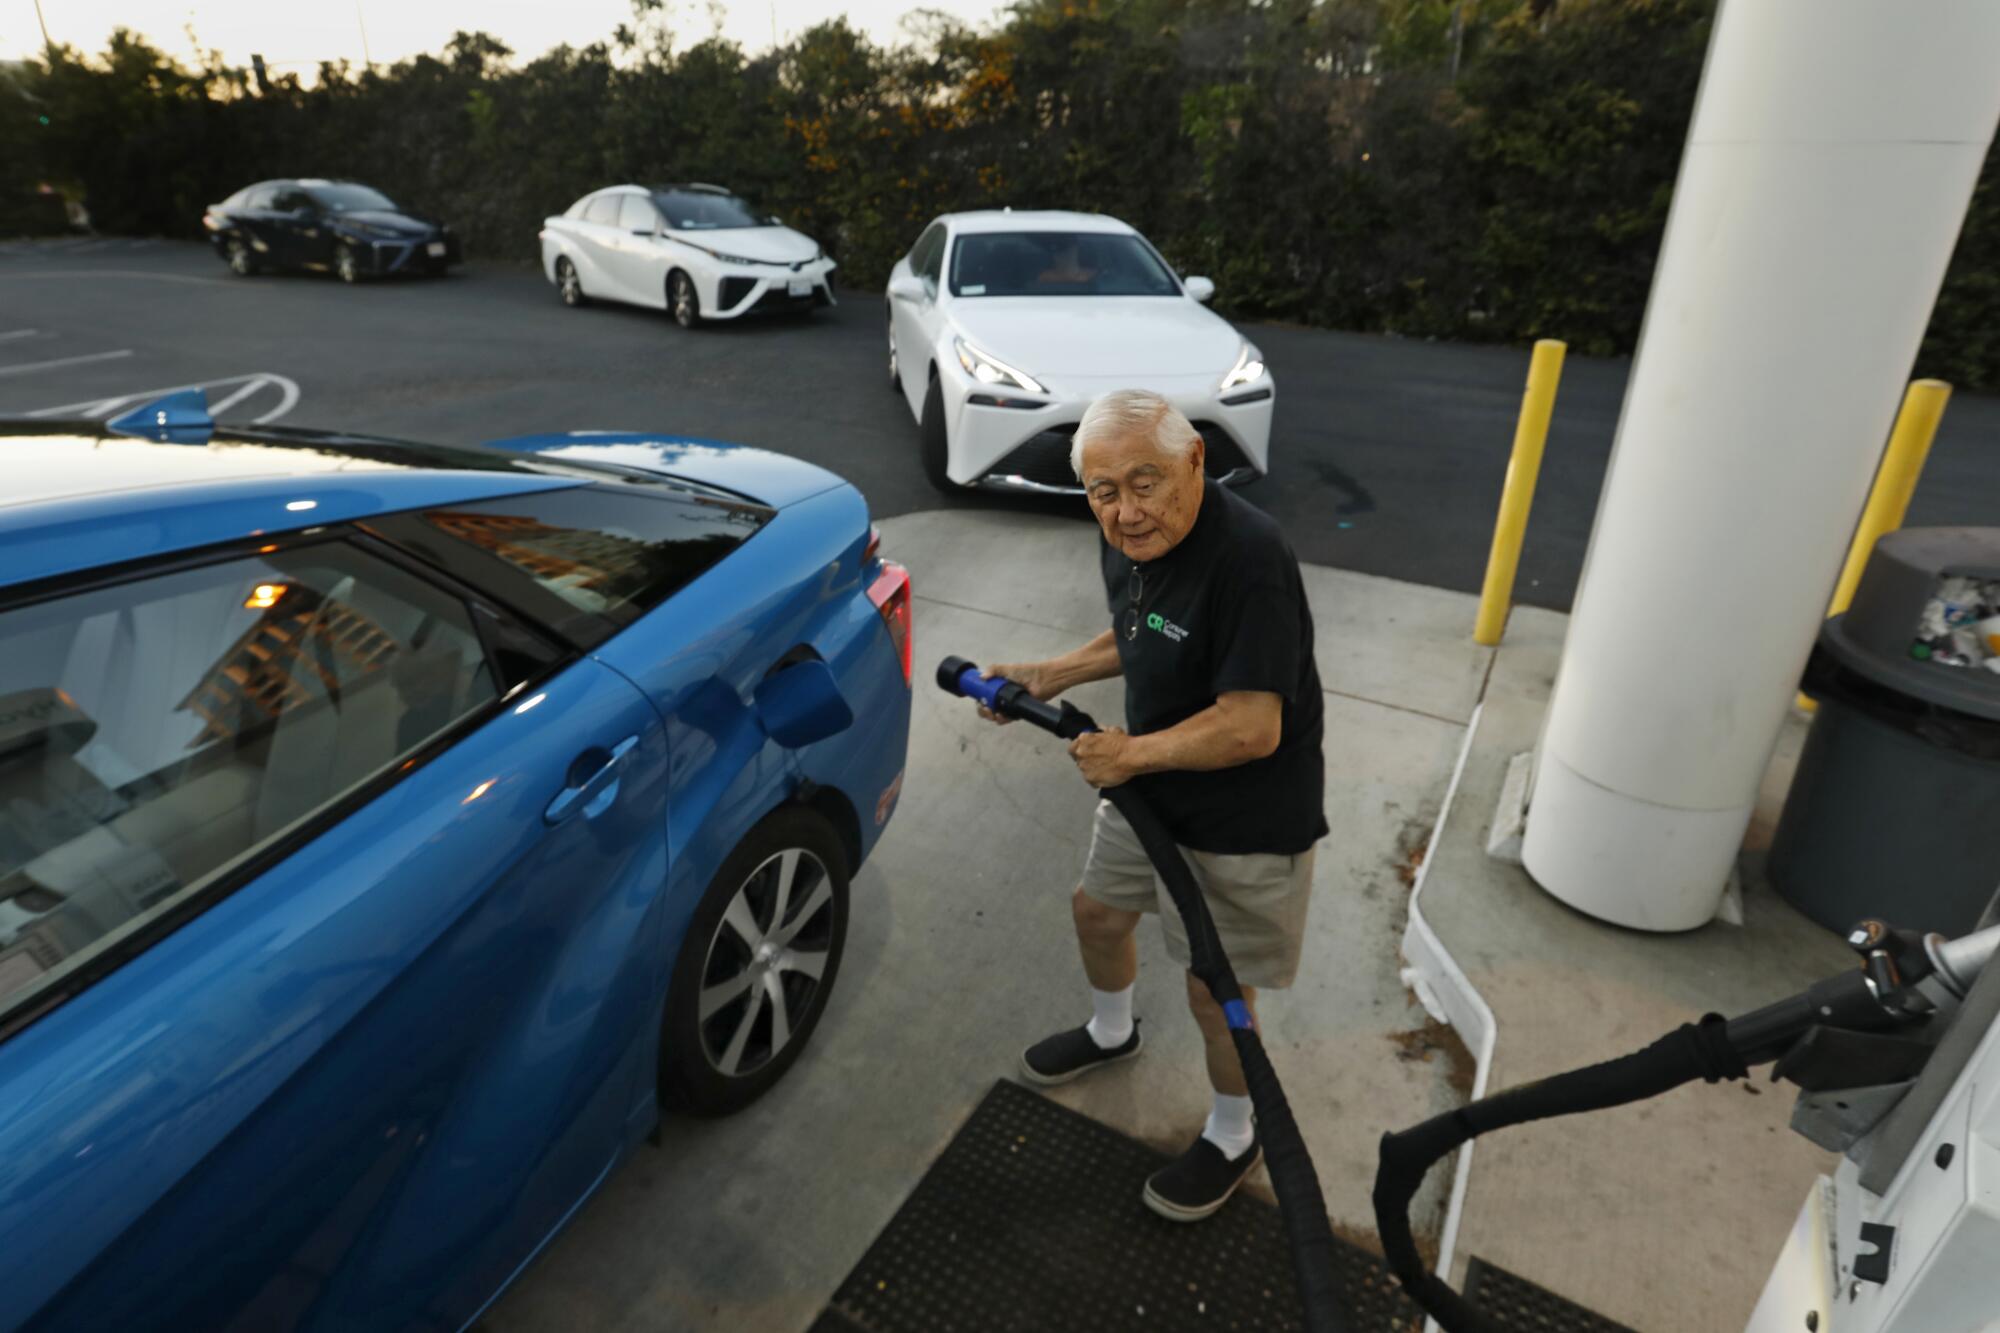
<point>762,475</point>
<point>76,495</point>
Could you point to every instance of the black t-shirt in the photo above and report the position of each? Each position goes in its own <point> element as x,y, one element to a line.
<point>1224,610</point>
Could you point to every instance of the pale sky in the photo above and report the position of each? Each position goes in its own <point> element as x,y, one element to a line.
<point>294,36</point>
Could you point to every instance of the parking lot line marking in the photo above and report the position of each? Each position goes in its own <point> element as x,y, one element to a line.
<point>12,334</point>
<point>63,361</point>
<point>288,397</point>
<point>254,384</point>
<point>123,273</point>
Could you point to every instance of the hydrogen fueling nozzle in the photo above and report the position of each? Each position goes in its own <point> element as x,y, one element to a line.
<point>1011,699</point>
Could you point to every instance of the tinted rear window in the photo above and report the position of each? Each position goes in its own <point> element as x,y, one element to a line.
<point>585,560</point>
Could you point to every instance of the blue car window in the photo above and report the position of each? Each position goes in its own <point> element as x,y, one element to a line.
<point>156,733</point>
<point>603,554</point>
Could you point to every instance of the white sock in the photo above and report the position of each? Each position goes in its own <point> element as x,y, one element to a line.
<point>1111,1021</point>
<point>1229,1126</point>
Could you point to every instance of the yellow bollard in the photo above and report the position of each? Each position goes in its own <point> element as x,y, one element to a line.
<point>1496,596</point>
<point>1895,483</point>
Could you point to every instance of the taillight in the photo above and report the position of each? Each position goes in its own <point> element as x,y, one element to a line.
<point>891,594</point>
<point>874,545</point>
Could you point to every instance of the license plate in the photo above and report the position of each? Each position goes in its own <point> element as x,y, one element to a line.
<point>799,287</point>
<point>435,249</point>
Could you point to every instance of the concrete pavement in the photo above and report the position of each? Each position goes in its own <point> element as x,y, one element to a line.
<point>1663,1215</point>
<point>960,953</point>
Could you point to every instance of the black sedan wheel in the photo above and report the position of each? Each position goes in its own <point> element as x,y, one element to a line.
<point>241,262</point>
<point>756,966</point>
<point>568,285</point>
<point>345,264</point>
<point>682,300</point>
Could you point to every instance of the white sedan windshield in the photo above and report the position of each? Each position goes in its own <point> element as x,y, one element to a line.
<point>700,210</point>
<point>1057,263</point>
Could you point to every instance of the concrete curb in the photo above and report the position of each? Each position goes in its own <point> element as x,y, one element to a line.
<point>1450,997</point>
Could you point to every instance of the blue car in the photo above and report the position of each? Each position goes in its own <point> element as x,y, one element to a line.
<point>388,832</point>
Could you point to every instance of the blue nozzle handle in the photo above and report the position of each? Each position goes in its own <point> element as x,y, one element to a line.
<point>963,678</point>
<point>997,694</point>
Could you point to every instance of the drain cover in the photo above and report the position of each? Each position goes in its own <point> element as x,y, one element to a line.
<point>1516,1302</point>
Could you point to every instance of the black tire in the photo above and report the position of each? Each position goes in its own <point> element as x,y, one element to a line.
<point>895,371</point>
<point>936,444</point>
<point>239,258</point>
<point>683,301</point>
<point>345,266</point>
<point>721,1064</point>
<point>569,284</point>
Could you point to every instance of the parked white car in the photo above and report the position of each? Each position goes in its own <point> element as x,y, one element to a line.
<point>696,251</point>
<point>1004,326</point>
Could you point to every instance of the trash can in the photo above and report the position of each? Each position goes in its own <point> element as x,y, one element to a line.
<point>1895,809</point>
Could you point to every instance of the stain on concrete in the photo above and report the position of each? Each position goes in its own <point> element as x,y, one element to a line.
<point>1423,1044</point>
<point>1413,841</point>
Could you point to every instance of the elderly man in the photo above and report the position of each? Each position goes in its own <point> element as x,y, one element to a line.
<point>1211,631</point>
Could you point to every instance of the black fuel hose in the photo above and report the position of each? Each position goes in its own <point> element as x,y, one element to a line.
<point>1293,1177</point>
<point>1712,1050</point>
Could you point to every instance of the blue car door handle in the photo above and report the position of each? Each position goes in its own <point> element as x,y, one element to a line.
<point>594,792</point>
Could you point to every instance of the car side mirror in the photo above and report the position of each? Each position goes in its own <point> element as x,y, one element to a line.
<point>802,704</point>
<point>908,287</point>
<point>1201,289</point>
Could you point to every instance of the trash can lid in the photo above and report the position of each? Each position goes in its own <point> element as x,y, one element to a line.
<point>1974,691</point>
<point>1904,572</point>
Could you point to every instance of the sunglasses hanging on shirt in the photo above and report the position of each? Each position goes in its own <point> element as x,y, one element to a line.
<point>1137,588</point>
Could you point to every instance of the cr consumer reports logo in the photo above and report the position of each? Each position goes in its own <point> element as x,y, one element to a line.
<point>1159,624</point>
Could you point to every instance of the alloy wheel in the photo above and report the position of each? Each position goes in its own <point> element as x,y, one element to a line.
<point>684,301</point>
<point>765,962</point>
<point>568,283</point>
<point>239,259</point>
<point>344,265</point>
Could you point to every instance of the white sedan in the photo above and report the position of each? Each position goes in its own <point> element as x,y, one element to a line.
<point>1004,326</point>
<point>697,251</point>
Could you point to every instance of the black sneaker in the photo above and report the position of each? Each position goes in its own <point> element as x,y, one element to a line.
<point>1060,1058</point>
<point>1200,1182</point>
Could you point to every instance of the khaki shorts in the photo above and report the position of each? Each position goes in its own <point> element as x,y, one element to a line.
<point>1258,901</point>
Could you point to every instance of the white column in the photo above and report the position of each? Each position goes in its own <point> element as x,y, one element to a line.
<point>1833,150</point>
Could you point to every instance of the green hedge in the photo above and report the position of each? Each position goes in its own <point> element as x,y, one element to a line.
<point>1322,161</point>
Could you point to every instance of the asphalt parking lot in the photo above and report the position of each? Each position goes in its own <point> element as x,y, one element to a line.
<point>1387,455</point>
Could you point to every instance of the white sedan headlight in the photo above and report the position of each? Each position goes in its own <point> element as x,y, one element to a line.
<point>988,370</point>
<point>1249,368</point>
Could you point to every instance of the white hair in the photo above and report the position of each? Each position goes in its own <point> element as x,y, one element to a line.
<point>1133,412</point>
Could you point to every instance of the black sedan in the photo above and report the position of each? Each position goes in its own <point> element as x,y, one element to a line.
<point>327,226</point>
